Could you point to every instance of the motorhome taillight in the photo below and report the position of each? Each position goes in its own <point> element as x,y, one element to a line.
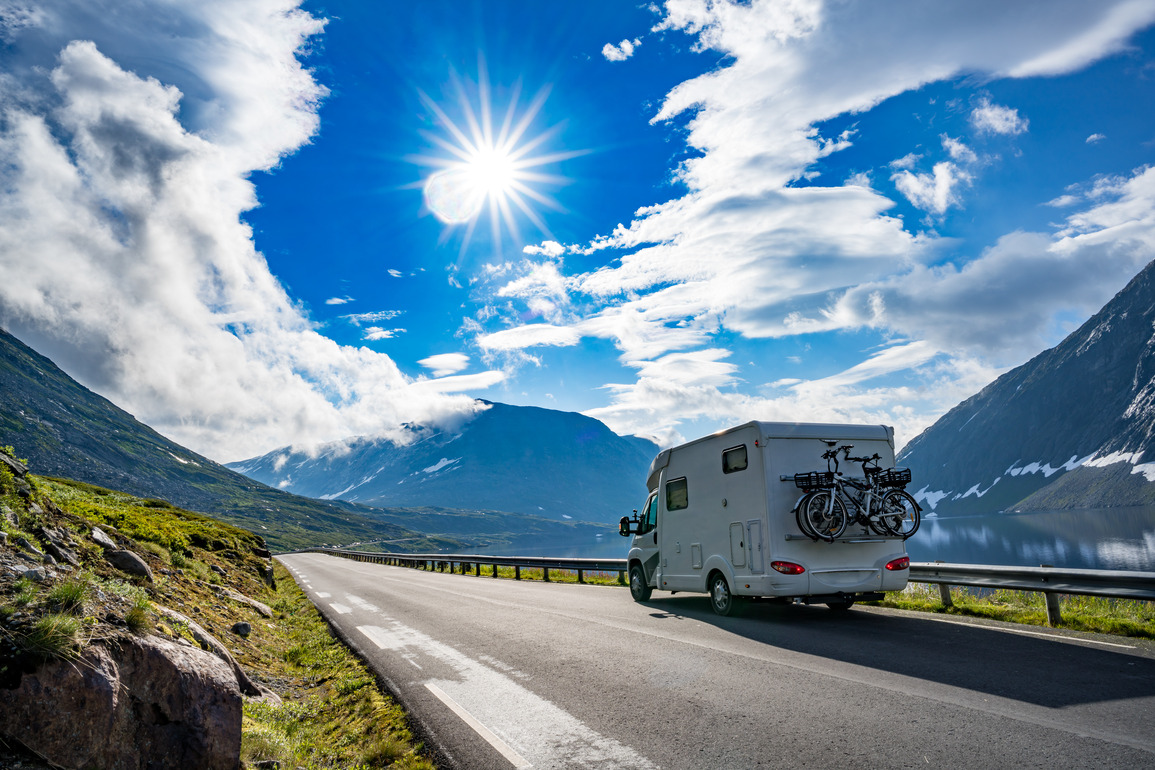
<point>897,564</point>
<point>788,567</point>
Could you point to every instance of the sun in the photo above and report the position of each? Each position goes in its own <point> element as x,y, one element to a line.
<point>491,169</point>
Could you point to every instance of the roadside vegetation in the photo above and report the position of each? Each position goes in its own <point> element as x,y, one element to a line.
<point>1121,617</point>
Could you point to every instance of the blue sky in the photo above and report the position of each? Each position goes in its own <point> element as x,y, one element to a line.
<point>220,214</point>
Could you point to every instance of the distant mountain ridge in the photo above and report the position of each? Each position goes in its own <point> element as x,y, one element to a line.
<point>528,460</point>
<point>66,430</point>
<point>1074,427</point>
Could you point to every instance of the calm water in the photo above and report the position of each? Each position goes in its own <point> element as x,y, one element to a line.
<point>1107,538</point>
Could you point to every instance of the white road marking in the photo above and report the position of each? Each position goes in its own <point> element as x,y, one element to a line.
<point>360,603</point>
<point>323,595</point>
<point>340,608</point>
<point>537,730</point>
<point>514,758</point>
<point>1027,633</point>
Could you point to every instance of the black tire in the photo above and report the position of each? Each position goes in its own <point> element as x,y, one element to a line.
<point>800,516</point>
<point>721,599</point>
<point>638,587</point>
<point>826,524</point>
<point>840,606</point>
<point>900,513</point>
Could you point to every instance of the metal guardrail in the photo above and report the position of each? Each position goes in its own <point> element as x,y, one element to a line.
<point>1049,581</point>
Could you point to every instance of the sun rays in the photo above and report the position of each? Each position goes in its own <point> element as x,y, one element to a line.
<point>491,169</point>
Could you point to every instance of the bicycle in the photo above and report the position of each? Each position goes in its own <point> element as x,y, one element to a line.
<point>878,501</point>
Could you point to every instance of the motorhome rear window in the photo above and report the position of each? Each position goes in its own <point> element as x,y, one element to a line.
<point>734,459</point>
<point>677,495</point>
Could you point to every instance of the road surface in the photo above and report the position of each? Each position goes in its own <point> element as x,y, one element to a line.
<point>500,673</point>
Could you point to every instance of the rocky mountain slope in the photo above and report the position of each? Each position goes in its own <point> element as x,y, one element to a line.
<point>559,465</point>
<point>1073,427</point>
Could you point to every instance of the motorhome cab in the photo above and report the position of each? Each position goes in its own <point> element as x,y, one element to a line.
<point>720,519</point>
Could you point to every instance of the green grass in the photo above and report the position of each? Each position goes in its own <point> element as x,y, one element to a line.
<point>52,636</point>
<point>70,595</point>
<point>1121,617</point>
<point>334,715</point>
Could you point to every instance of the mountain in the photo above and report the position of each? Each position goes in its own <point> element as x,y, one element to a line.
<point>1074,427</point>
<point>64,429</point>
<point>559,465</point>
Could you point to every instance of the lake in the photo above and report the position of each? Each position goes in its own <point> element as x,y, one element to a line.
<point>1101,538</point>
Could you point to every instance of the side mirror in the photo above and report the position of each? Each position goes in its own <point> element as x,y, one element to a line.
<point>624,527</point>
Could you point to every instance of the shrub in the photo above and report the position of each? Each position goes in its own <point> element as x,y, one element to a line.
<point>53,636</point>
<point>70,595</point>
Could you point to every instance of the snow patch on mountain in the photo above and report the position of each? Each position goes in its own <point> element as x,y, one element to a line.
<point>443,462</point>
<point>1147,469</point>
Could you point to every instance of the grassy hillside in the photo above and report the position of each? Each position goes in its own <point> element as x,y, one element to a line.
<point>331,712</point>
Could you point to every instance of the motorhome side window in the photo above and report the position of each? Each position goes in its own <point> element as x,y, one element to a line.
<point>734,459</point>
<point>650,520</point>
<point>677,495</point>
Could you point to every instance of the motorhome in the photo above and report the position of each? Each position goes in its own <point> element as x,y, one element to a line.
<point>719,518</point>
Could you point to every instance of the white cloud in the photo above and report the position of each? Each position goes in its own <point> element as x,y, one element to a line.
<point>996,119</point>
<point>395,273</point>
<point>935,192</point>
<point>374,333</point>
<point>1095,138</point>
<point>445,363</point>
<point>529,336</point>
<point>621,51</point>
<point>546,249</point>
<point>958,151</point>
<point>338,300</point>
<point>130,133</point>
<point>358,319</point>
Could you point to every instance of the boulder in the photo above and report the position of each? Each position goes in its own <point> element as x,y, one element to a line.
<point>242,629</point>
<point>127,561</point>
<point>135,703</point>
<point>264,609</point>
<point>103,540</point>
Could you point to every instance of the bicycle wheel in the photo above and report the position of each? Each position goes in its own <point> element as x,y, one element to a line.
<point>900,513</point>
<point>826,515</point>
<point>800,514</point>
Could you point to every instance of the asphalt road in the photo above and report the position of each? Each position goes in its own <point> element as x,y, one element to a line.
<point>501,674</point>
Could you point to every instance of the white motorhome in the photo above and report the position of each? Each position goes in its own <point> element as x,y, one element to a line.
<point>720,519</point>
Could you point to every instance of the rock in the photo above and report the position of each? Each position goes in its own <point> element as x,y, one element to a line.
<point>127,705</point>
<point>60,553</point>
<point>103,540</point>
<point>219,570</point>
<point>209,643</point>
<point>269,577</point>
<point>36,573</point>
<point>242,629</point>
<point>262,552</point>
<point>23,489</point>
<point>3,538</point>
<point>264,609</point>
<point>127,561</point>
<point>23,543</point>
<point>19,469</point>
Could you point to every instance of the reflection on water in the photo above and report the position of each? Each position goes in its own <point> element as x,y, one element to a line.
<point>1098,538</point>
<point>1101,538</point>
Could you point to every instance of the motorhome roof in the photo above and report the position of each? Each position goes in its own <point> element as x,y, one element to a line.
<point>815,430</point>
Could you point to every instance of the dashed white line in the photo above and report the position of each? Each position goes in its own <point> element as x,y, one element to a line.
<point>515,759</point>
<point>340,608</point>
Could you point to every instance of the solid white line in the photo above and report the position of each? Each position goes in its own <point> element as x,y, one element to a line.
<point>1028,633</point>
<point>502,747</point>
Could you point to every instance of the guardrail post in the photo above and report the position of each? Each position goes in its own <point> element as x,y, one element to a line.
<point>516,572</point>
<point>477,569</point>
<point>1054,618</point>
<point>581,576</point>
<point>944,595</point>
<point>621,578</point>
<point>545,574</point>
<point>495,569</point>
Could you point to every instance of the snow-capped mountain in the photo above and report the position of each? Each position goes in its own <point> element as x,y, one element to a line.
<point>518,459</point>
<point>1074,427</point>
